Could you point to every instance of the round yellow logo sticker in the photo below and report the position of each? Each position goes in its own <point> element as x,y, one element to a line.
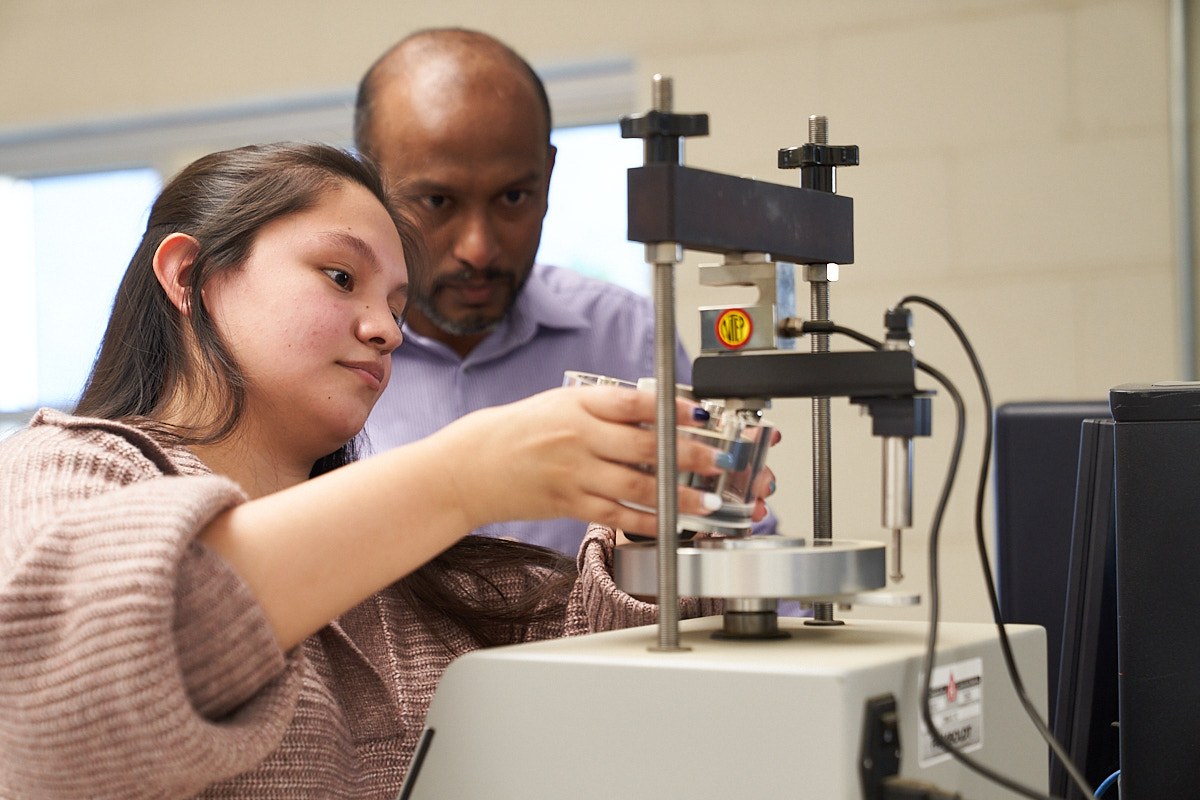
<point>734,328</point>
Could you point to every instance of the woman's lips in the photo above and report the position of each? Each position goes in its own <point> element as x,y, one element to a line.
<point>371,371</point>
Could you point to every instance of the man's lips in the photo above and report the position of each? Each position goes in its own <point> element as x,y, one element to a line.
<point>477,293</point>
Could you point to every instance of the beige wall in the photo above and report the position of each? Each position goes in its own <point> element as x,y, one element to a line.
<point>1014,167</point>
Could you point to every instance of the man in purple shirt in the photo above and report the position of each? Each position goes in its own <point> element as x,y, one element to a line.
<point>465,123</point>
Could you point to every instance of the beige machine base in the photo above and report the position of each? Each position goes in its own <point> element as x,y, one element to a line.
<point>605,716</point>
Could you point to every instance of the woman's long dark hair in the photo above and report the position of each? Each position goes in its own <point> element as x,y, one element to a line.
<point>223,200</point>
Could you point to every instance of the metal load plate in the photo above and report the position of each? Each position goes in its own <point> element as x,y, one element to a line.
<point>759,566</point>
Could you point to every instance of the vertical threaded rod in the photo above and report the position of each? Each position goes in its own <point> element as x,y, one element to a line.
<point>664,256</point>
<point>821,178</point>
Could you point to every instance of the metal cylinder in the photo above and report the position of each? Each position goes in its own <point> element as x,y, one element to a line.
<point>821,433</point>
<point>750,618</point>
<point>665,421</point>
<point>897,495</point>
<point>662,149</point>
<point>664,256</point>
<point>820,177</point>
<point>897,482</point>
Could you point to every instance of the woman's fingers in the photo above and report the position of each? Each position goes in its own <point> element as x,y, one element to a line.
<point>764,484</point>
<point>621,483</point>
<point>643,520</point>
<point>617,437</point>
<point>577,452</point>
<point>626,405</point>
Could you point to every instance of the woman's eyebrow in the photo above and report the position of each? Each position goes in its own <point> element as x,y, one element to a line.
<point>351,242</point>
<point>362,250</point>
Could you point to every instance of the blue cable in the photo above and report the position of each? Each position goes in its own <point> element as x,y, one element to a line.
<point>1109,781</point>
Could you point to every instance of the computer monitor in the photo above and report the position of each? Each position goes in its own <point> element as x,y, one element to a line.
<point>1036,466</point>
<point>1087,706</point>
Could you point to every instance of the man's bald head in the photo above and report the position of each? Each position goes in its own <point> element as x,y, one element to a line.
<point>461,124</point>
<point>449,57</point>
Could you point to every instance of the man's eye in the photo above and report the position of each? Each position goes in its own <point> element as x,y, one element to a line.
<point>515,196</point>
<point>339,276</point>
<point>436,200</point>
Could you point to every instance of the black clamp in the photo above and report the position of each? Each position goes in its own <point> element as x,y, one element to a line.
<point>663,123</point>
<point>662,131</point>
<point>818,155</point>
<point>818,162</point>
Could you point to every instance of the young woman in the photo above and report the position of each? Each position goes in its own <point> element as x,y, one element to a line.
<point>201,592</point>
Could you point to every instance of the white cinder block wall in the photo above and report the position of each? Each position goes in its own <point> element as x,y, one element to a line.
<point>1015,168</point>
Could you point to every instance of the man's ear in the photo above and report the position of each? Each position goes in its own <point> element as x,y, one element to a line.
<point>173,267</point>
<point>550,154</point>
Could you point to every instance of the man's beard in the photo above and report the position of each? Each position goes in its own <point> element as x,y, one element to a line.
<point>476,324</point>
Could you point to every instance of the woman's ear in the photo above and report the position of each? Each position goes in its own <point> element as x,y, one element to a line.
<point>173,267</point>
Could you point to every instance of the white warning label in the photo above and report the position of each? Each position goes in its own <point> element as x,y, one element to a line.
<point>956,706</point>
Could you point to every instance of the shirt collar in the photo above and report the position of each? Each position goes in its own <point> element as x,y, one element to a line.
<point>538,304</point>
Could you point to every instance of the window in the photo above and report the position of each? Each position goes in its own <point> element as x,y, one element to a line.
<point>68,240</point>
<point>585,228</point>
<point>72,212</point>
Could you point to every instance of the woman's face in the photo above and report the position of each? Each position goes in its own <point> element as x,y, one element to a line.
<point>311,319</point>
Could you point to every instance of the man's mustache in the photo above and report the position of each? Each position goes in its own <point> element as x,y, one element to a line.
<point>470,276</point>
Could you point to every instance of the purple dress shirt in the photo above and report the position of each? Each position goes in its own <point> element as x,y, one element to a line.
<point>560,321</point>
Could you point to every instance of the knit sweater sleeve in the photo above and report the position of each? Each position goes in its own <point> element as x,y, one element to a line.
<point>133,661</point>
<point>597,604</point>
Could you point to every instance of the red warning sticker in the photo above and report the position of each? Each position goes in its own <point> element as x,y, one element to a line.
<point>734,328</point>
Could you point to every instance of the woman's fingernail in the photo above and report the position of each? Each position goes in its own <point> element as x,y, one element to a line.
<point>712,502</point>
<point>771,487</point>
<point>724,460</point>
<point>699,415</point>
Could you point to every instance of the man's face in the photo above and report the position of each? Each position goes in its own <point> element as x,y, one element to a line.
<point>479,165</point>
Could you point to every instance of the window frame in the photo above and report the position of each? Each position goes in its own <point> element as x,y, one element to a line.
<point>583,93</point>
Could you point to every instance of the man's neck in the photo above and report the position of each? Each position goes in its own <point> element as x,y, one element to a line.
<point>463,345</point>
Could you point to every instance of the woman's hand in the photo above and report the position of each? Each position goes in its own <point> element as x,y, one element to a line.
<point>570,452</point>
<point>764,486</point>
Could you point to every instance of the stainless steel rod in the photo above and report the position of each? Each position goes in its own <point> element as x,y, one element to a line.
<point>821,432</point>
<point>664,256</point>
<point>668,532</point>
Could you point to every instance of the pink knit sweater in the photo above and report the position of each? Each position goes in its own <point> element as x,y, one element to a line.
<point>134,663</point>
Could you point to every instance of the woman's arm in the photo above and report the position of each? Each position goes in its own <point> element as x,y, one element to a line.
<point>314,550</point>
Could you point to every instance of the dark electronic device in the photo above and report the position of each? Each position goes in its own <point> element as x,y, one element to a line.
<point>1158,551</point>
<point>1056,567</point>
<point>1037,460</point>
<point>1087,707</point>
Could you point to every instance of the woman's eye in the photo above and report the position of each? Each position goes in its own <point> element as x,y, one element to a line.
<point>339,276</point>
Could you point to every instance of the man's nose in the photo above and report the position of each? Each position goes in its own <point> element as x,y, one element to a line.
<point>475,241</point>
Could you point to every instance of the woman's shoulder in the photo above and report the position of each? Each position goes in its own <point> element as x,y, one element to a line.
<point>60,441</point>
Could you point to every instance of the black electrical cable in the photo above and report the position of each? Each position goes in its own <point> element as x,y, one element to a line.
<point>981,545</point>
<point>897,788</point>
<point>934,537</point>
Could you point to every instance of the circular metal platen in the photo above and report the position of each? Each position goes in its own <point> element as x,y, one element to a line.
<point>759,566</point>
